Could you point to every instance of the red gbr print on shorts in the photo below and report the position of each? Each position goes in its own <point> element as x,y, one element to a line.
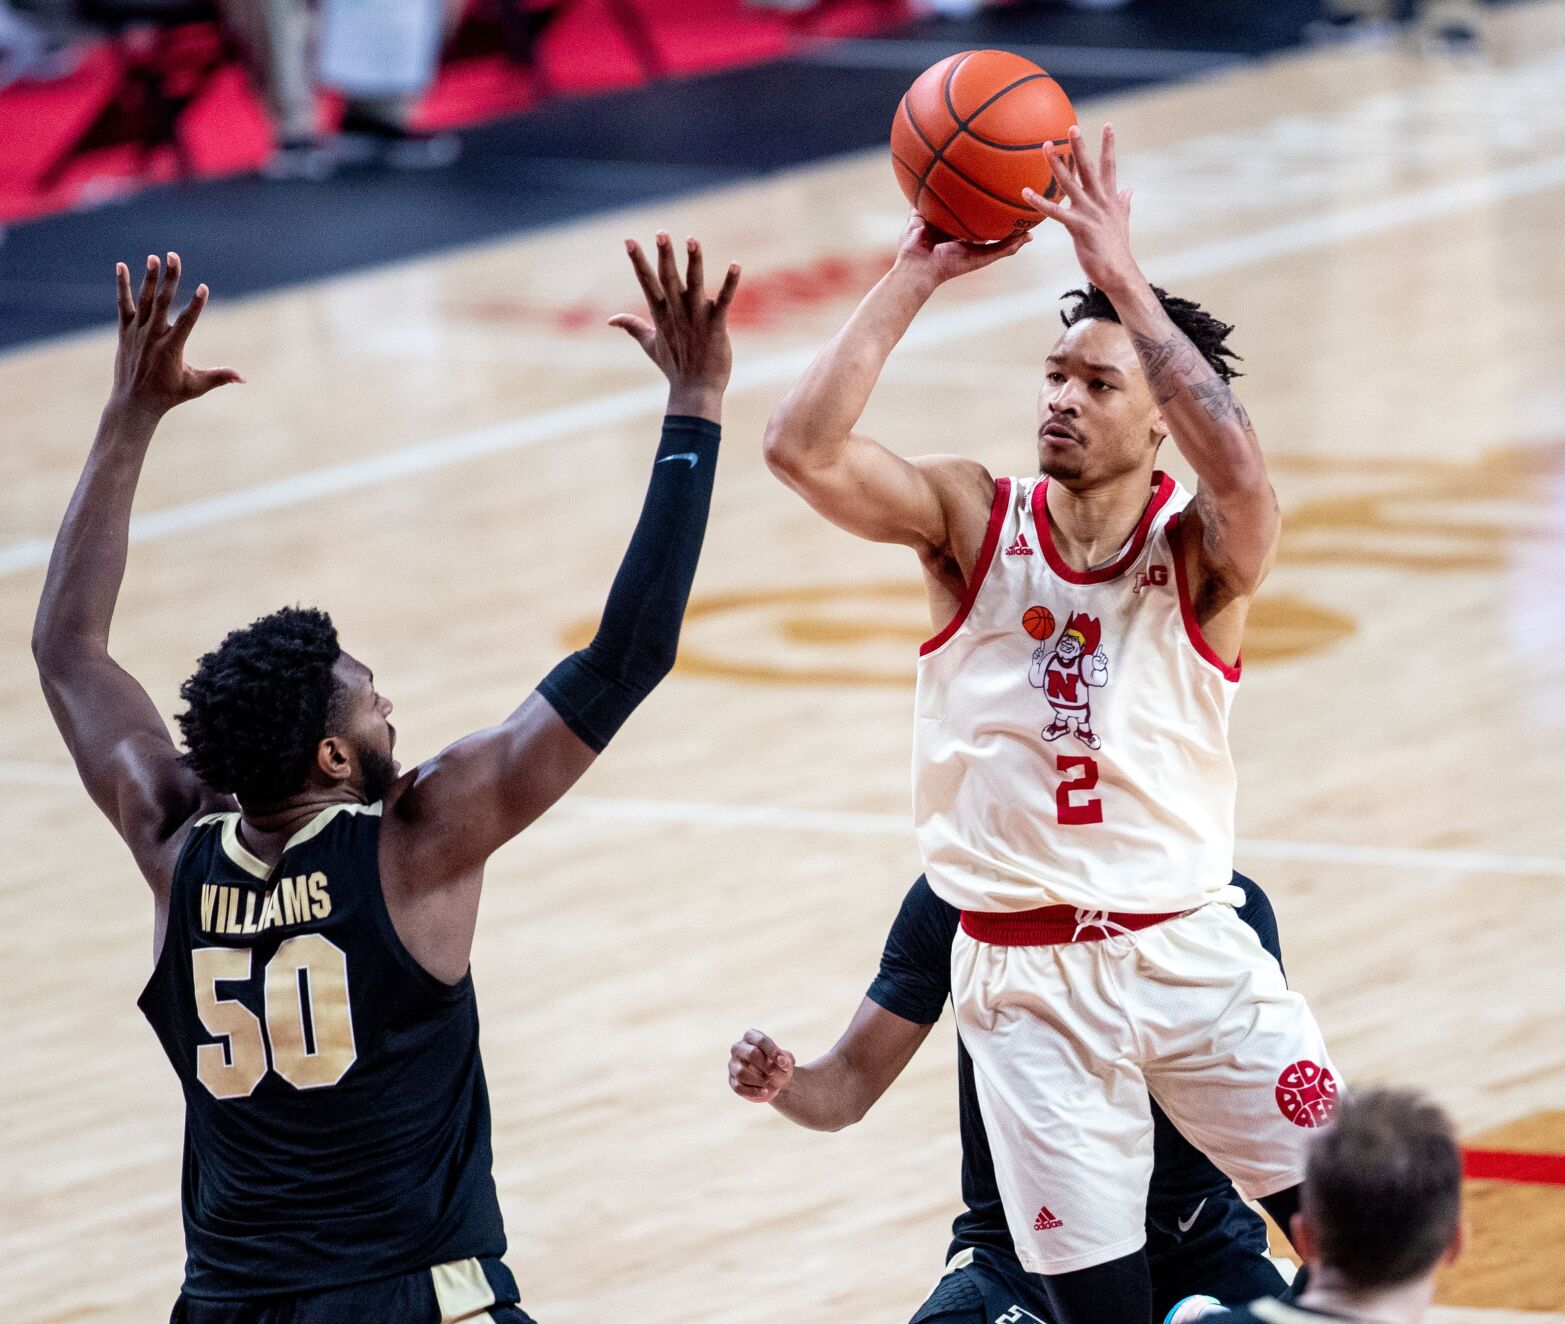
<point>1045,1220</point>
<point>1307,1094</point>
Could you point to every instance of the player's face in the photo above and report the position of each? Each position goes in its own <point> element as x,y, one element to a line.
<point>1096,417</point>
<point>366,727</point>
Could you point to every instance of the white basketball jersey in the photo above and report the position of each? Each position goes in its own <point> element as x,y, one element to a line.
<point>1071,742</point>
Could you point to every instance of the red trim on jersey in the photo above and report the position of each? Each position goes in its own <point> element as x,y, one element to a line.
<point>1050,926</point>
<point>997,509</point>
<point>1163,489</point>
<point>1176,545</point>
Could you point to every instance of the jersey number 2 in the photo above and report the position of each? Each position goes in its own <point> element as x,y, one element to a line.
<point>1071,811</point>
<point>308,1021</point>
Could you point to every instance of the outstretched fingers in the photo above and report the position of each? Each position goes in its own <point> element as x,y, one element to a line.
<point>725,295</point>
<point>657,304</point>
<point>1108,164</point>
<point>149,289</point>
<point>167,289</point>
<point>127,300</point>
<point>695,275</point>
<point>185,323</point>
<point>668,268</point>
<point>202,380</point>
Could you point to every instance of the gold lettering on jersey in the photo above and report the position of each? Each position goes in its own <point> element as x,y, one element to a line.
<point>320,898</point>
<point>239,910</point>
<point>296,902</point>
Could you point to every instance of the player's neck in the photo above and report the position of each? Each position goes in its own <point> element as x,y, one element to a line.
<point>1091,525</point>
<point>1407,1303</point>
<point>266,831</point>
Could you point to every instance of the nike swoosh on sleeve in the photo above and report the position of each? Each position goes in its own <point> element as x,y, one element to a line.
<point>683,455</point>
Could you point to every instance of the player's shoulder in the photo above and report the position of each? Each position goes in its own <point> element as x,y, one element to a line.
<point>923,907</point>
<point>957,477</point>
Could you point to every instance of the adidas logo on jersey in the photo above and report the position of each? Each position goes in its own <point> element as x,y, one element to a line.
<point>1045,1220</point>
<point>1019,547</point>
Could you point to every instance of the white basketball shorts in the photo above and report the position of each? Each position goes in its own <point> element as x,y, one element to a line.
<point>1067,1041</point>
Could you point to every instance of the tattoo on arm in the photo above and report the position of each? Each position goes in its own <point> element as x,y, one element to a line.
<point>1175,362</point>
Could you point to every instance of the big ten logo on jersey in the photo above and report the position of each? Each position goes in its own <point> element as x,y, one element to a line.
<point>1154,576</point>
<point>1015,1315</point>
<point>243,910</point>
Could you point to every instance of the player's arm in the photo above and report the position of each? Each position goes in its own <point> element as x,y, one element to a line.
<point>113,730</point>
<point>837,1089</point>
<point>451,813</point>
<point>903,1004</point>
<point>855,482</point>
<point>1234,520</point>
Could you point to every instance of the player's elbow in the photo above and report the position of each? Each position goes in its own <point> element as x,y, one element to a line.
<point>793,450</point>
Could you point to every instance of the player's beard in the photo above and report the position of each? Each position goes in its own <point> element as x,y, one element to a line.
<point>379,772</point>
<point>1066,465</point>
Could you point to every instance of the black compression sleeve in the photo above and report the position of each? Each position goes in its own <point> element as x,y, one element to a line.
<point>596,689</point>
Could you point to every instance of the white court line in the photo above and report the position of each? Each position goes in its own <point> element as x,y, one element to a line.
<point>684,813</point>
<point>1318,230</point>
<point>675,812</point>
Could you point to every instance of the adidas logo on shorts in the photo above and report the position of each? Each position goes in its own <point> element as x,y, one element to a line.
<point>1045,1220</point>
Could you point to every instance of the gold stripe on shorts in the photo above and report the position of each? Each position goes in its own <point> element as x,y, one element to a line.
<point>461,1290</point>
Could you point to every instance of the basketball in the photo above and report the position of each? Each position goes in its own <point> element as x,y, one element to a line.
<point>971,134</point>
<point>1038,622</point>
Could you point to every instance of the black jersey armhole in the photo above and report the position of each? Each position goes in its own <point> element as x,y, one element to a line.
<point>393,940</point>
<point>175,913</point>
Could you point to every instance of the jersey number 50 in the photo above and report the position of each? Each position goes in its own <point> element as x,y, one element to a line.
<point>308,1021</point>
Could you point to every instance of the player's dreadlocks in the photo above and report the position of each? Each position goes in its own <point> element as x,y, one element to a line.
<point>260,703</point>
<point>1206,333</point>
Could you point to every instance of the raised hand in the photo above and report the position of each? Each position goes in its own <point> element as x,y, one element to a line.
<point>1095,213</point>
<point>150,372</point>
<point>688,334</point>
<point>934,254</point>
<point>758,1070</point>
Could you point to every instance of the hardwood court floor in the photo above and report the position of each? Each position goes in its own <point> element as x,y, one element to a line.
<point>449,455</point>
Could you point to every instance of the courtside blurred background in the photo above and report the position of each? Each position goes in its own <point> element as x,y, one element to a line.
<point>330,134</point>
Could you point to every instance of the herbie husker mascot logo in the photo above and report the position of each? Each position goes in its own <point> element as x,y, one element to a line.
<point>1068,674</point>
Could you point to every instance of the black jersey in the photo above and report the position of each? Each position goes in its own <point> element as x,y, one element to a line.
<point>336,1116</point>
<point>1195,1218</point>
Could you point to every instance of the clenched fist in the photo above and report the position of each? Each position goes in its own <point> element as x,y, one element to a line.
<point>758,1070</point>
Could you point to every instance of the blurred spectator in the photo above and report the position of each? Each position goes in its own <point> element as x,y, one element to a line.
<point>279,38</point>
<point>1380,1212</point>
<point>38,46</point>
<point>1451,25</point>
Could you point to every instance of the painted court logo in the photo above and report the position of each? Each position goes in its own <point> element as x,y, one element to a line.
<point>1045,1221</point>
<point>1307,1094</point>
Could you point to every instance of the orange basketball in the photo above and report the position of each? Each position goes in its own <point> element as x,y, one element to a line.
<point>971,134</point>
<point>1038,622</point>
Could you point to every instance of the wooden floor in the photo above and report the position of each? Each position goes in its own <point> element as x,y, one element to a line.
<point>449,456</point>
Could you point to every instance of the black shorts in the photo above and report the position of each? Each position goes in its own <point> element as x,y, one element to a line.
<point>477,1290</point>
<point>979,1287</point>
<point>1218,1248</point>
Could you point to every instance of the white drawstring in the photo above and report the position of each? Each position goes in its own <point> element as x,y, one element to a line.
<point>1117,937</point>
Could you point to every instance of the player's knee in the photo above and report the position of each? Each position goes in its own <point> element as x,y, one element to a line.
<point>955,1300</point>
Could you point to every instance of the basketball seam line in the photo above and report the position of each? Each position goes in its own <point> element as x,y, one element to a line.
<point>924,186</point>
<point>963,126</point>
<point>937,154</point>
<point>937,159</point>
